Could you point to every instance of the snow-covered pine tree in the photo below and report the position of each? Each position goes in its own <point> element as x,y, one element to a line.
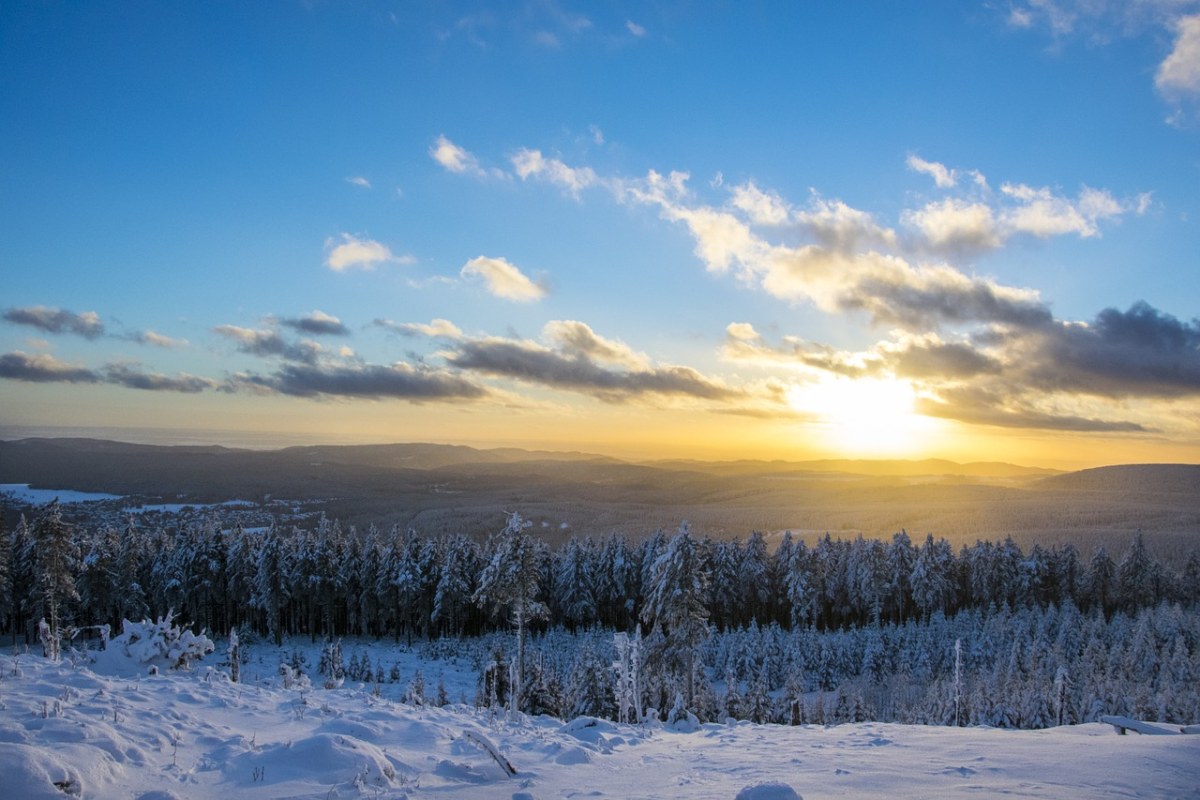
<point>511,583</point>
<point>574,584</point>
<point>628,666</point>
<point>675,607</point>
<point>235,656</point>
<point>932,584</point>
<point>1101,582</point>
<point>271,585</point>
<point>754,579</point>
<point>590,687</point>
<point>6,577</point>
<point>1135,577</point>
<point>57,564</point>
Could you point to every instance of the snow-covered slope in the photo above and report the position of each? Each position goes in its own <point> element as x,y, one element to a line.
<point>197,735</point>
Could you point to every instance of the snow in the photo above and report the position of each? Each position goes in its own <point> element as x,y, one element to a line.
<point>198,735</point>
<point>23,494</point>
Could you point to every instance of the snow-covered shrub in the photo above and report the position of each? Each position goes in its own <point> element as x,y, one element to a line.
<point>162,643</point>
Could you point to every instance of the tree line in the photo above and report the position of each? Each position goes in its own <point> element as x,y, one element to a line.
<point>329,580</point>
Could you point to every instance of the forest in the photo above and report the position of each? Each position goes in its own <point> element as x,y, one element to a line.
<point>844,630</point>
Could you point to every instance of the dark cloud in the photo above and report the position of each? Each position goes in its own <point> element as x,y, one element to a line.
<point>131,378</point>
<point>400,381</point>
<point>269,344</point>
<point>942,360</point>
<point>980,407</point>
<point>1141,352</point>
<point>942,297</point>
<point>48,369</point>
<point>57,320</point>
<point>317,324</point>
<point>533,364</point>
<point>42,368</point>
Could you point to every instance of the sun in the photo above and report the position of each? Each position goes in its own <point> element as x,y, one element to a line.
<point>866,417</point>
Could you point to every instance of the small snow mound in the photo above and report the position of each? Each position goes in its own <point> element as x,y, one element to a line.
<point>768,791</point>
<point>331,758</point>
<point>159,795</point>
<point>573,755</point>
<point>33,773</point>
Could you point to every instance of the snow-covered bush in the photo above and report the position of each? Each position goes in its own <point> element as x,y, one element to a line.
<point>162,643</point>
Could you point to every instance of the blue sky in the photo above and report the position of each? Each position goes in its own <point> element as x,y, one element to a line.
<point>713,229</point>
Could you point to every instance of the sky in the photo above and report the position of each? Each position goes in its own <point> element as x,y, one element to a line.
<point>650,230</point>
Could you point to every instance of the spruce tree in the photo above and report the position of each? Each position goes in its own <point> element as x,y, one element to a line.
<point>511,582</point>
<point>675,607</point>
<point>57,564</point>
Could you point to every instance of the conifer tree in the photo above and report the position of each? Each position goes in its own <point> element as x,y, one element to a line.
<point>511,582</point>
<point>57,564</point>
<point>675,607</point>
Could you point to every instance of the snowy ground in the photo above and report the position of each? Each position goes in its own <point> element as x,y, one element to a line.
<point>101,734</point>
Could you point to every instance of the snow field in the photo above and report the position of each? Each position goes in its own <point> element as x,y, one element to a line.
<point>98,732</point>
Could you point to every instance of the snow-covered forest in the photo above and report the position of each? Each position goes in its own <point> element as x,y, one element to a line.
<point>845,630</point>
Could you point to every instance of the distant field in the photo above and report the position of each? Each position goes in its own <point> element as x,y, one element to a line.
<point>440,489</point>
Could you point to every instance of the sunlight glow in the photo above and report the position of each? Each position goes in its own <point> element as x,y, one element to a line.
<point>866,417</point>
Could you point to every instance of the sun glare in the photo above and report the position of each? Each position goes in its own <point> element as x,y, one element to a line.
<point>866,417</point>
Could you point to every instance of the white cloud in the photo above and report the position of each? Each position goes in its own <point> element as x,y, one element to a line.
<point>953,223</point>
<point>944,178</point>
<point>1043,214</point>
<point>503,279</point>
<point>159,340</point>
<point>437,328</point>
<point>1179,73</point>
<point>532,164</point>
<point>355,253</point>
<point>840,226</point>
<point>634,28</point>
<point>358,180</point>
<point>762,208</point>
<point>454,158</point>
<point>578,338</point>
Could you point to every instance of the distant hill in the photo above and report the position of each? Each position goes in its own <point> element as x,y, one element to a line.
<point>445,489</point>
<point>1130,478</point>
<point>876,467</point>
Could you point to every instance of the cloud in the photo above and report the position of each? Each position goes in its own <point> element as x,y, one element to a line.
<point>355,253</point>
<point>578,339</point>
<point>43,368</point>
<point>371,381</point>
<point>1141,352</point>
<point>438,328</point>
<point>836,225</point>
<point>358,180</point>
<point>943,178</point>
<point>532,164</point>
<point>533,363</point>
<point>158,340</point>
<point>57,320</point>
<point>503,279</point>
<point>983,221</point>
<point>1042,213</point>
<point>132,378</point>
<point>1177,76</point>
<point>984,408</point>
<point>1179,73</point>
<point>953,224</point>
<point>317,323</point>
<point>635,29</point>
<point>459,161</point>
<point>762,208</point>
<point>268,343</point>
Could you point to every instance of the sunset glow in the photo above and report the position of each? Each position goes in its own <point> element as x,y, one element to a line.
<point>782,231</point>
